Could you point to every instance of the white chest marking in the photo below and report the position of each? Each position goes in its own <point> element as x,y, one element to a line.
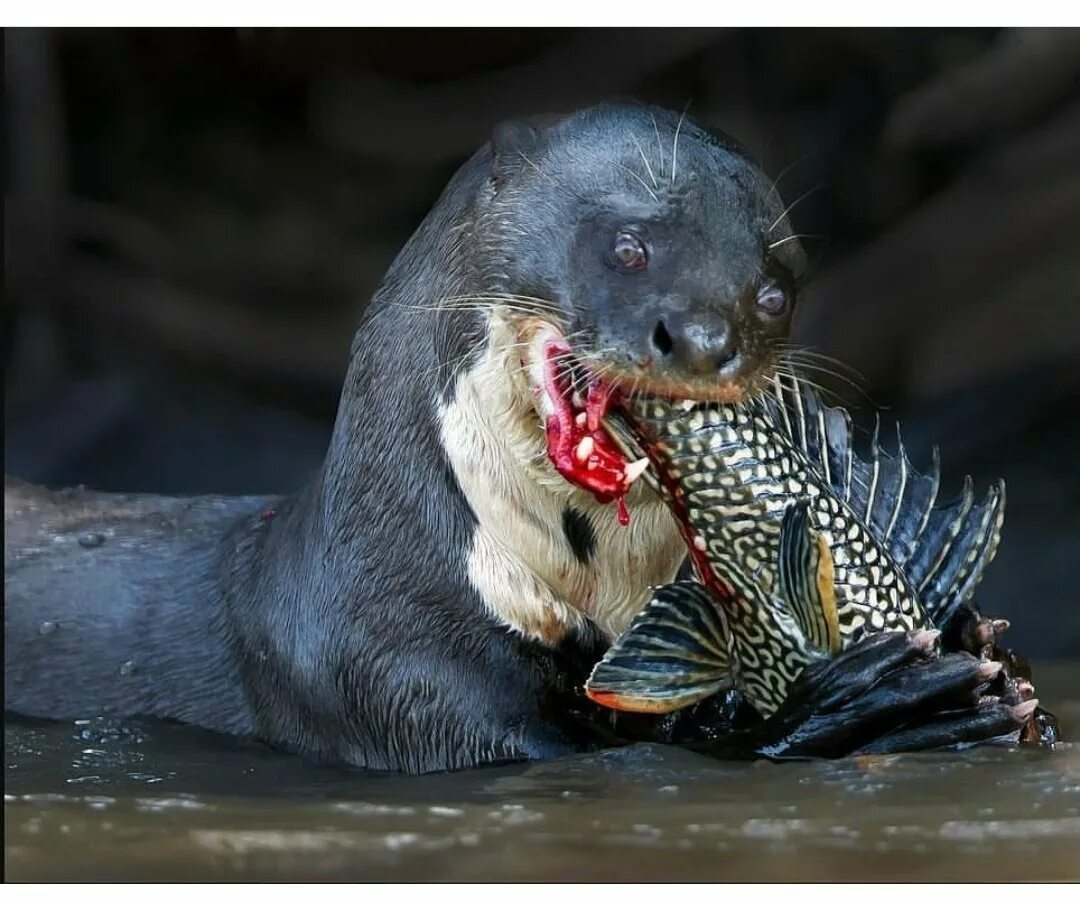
<point>520,560</point>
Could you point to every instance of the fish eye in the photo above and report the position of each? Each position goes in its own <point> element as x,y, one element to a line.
<point>772,300</point>
<point>628,251</point>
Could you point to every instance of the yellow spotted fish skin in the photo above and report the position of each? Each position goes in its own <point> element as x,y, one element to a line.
<point>768,485</point>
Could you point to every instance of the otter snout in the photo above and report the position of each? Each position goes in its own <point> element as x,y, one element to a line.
<point>702,347</point>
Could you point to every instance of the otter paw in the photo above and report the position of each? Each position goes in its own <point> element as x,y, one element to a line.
<point>969,630</point>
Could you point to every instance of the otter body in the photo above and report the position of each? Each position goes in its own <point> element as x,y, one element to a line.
<point>403,611</point>
<point>436,596</point>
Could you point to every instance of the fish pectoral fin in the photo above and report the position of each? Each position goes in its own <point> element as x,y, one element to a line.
<point>674,654</point>
<point>807,579</point>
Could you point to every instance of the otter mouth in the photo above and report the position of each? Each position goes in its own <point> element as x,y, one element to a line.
<point>593,440</point>
<point>578,442</point>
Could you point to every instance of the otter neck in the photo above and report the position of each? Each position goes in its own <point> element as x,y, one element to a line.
<point>439,444</point>
<point>544,555</point>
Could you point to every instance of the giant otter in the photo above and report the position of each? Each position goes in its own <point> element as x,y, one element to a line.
<point>435,597</point>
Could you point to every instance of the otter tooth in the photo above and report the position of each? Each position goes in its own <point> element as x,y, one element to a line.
<point>584,449</point>
<point>699,543</point>
<point>576,400</point>
<point>581,419</point>
<point>634,471</point>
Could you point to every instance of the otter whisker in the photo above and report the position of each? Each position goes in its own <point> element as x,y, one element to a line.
<point>562,360</point>
<point>505,296</point>
<point>644,184</point>
<point>675,143</point>
<point>793,348</point>
<point>453,363</point>
<point>509,295</point>
<point>837,369</point>
<point>798,379</point>
<point>659,144</point>
<point>523,302</point>
<point>818,366</point>
<point>787,210</point>
<point>475,305</point>
<point>598,374</point>
<point>540,309</point>
<point>605,368</point>
<point>549,178</point>
<point>801,357</point>
<point>488,308</point>
<point>790,238</point>
<point>644,159</point>
<point>774,188</point>
<point>817,369</point>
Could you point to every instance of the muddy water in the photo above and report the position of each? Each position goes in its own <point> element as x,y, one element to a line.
<point>100,800</point>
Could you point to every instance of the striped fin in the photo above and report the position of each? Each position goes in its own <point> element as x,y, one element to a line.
<point>958,544</point>
<point>806,578</point>
<point>942,550</point>
<point>901,500</point>
<point>873,480</point>
<point>675,653</point>
<point>885,491</point>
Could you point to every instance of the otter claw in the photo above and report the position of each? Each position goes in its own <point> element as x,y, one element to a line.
<point>924,639</point>
<point>969,630</point>
<point>1022,712</point>
<point>985,633</point>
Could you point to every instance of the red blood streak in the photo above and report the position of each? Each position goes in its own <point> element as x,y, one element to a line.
<point>603,473</point>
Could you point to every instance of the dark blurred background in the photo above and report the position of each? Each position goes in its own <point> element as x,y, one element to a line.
<point>195,219</point>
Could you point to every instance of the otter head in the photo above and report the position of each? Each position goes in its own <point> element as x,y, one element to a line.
<point>637,253</point>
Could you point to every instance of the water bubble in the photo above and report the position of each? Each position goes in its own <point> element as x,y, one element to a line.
<point>92,539</point>
<point>128,668</point>
<point>47,628</point>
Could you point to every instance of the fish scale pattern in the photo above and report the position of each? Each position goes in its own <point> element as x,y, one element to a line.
<point>895,560</point>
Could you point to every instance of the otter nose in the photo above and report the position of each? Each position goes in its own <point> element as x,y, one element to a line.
<point>700,347</point>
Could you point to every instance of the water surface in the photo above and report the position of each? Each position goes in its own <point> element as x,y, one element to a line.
<point>100,800</point>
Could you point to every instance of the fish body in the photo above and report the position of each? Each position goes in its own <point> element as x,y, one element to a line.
<point>801,546</point>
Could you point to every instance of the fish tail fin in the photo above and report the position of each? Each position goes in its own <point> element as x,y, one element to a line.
<point>675,653</point>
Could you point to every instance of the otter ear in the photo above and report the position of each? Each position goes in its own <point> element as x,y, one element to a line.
<point>512,142</point>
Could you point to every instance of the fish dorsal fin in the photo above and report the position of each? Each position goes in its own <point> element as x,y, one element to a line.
<point>675,653</point>
<point>806,578</point>
<point>942,550</point>
<point>883,490</point>
<point>957,545</point>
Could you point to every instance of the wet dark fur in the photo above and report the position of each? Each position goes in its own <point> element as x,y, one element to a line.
<point>338,622</point>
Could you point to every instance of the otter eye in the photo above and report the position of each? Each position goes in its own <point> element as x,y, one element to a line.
<point>628,252</point>
<point>772,300</point>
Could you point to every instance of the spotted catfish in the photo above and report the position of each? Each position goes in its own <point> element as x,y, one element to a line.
<point>800,548</point>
